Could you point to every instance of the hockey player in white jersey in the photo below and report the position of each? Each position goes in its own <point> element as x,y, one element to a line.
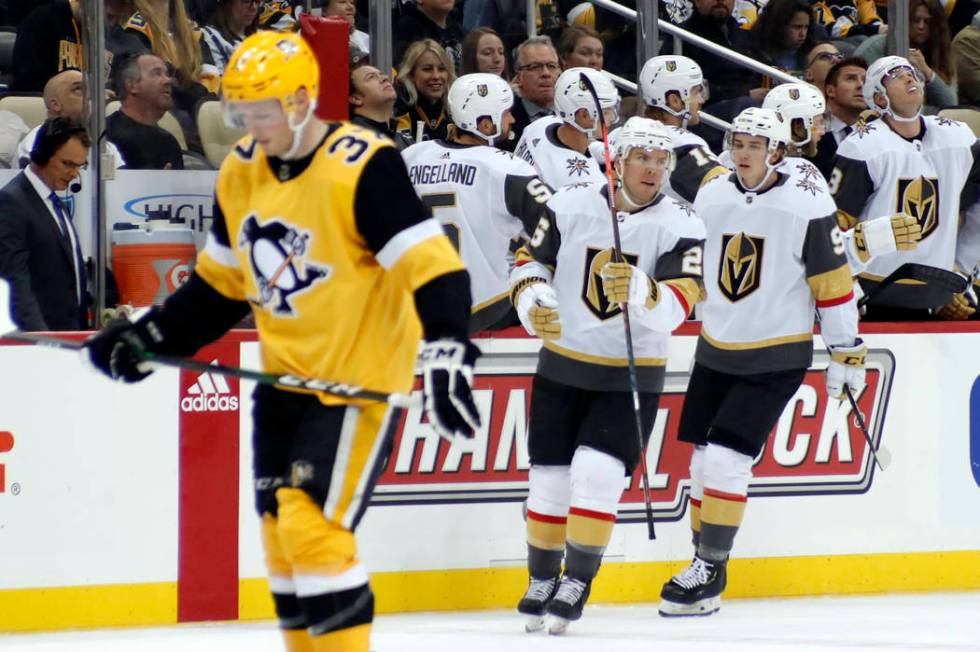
<point>772,255</point>
<point>904,163</point>
<point>582,439</point>
<point>558,147</point>
<point>483,197</point>
<point>673,90</point>
<point>802,106</point>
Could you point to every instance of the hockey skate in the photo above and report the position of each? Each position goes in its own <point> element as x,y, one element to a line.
<point>567,604</point>
<point>696,591</point>
<point>535,600</point>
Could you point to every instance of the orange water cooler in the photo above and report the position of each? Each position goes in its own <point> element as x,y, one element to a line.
<point>151,261</point>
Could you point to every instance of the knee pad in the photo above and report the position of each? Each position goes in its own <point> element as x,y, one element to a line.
<point>726,470</point>
<point>597,480</point>
<point>321,554</point>
<point>549,491</point>
<point>697,473</point>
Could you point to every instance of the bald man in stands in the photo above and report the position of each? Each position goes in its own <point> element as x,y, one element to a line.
<point>64,97</point>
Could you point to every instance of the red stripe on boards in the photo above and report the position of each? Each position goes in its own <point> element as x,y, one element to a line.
<point>207,566</point>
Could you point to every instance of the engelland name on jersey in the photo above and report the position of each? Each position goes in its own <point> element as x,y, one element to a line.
<point>445,173</point>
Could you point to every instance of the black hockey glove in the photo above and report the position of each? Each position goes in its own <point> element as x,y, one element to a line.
<point>447,376</point>
<point>117,349</point>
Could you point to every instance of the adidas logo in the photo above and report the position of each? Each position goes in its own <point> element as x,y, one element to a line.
<point>446,155</point>
<point>209,393</point>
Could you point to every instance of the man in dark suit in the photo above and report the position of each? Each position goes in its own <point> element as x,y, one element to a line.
<point>536,63</point>
<point>845,103</point>
<point>40,253</point>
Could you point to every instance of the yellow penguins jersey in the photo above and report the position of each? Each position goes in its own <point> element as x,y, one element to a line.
<point>278,15</point>
<point>569,248</point>
<point>484,198</point>
<point>328,251</point>
<point>878,172</point>
<point>770,258</point>
<point>556,163</point>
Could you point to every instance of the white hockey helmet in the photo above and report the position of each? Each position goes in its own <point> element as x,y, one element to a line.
<point>480,95</point>
<point>799,101</point>
<point>667,74</point>
<point>760,122</point>
<point>874,82</point>
<point>572,94</point>
<point>646,134</point>
<point>642,133</point>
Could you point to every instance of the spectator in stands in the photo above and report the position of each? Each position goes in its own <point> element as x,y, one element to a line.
<point>580,47</point>
<point>278,15</point>
<point>40,254</point>
<point>64,97</point>
<point>163,28</point>
<point>783,35</point>
<point>729,82</point>
<point>144,85</point>
<point>930,51</point>
<point>227,26</point>
<point>537,69</point>
<point>12,131</point>
<point>424,77</point>
<point>819,60</point>
<point>430,19</point>
<point>854,20</point>
<point>371,99</point>
<point>845,103</point>
<point>483,51</point>
<point>966,55</point>
<point>48,41</point>
<point>360,42</point>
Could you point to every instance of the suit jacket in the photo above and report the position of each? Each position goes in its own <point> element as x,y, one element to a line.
<point>826,155</point>
<point>37,261</point>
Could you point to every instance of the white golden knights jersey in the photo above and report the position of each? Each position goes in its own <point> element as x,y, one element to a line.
<point>557,164</point>
<point>569,248</point>
<point>695,164</point>
<point>484,198</point>
<point>328,263</point>
<point>878,172</point>
<point>769,259</point>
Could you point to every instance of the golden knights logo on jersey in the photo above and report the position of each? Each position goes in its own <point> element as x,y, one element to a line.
<point>740,270</point>
<point>276,252</point>
<point>919,197</point>
<point>592,294</point>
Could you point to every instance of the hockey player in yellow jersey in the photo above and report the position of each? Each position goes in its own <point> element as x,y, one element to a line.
<point>318,232</point>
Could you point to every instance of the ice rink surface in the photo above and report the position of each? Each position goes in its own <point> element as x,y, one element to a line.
<point>942,622</point>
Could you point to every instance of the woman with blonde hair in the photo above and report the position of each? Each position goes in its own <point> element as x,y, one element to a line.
<point>165,30</point>
<point>424,76</point>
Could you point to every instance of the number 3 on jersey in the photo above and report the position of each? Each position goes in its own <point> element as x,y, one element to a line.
<point>444,200</point>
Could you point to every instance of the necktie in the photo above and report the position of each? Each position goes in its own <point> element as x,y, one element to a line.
<point>72,244</point>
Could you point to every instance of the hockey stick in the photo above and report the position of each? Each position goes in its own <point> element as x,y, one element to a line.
<point>882,456</point>
<point>935,276</point>
<point>8,330</point>
<point>624,308</point>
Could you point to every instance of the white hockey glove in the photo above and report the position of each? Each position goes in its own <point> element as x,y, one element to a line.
<point>623,283</point>
<point>537,308</point>
<point>447,376</point>
<point>846,368</point>
<point>961,307</point>
<point>883,235</point>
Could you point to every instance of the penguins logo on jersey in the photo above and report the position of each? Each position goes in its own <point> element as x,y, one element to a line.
<point>592,294</point>
<point>276,255</point>
<point>919,197</point>
<point>740,271</point>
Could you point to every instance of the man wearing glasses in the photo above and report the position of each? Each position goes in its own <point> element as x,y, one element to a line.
<point>536,63</point>
<point>40,254</point>
<point>819,61</point>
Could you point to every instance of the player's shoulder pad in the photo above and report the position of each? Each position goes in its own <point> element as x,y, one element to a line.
<point>684,220</point>
<point>574,195</point>
<point>865,141</point>
<point>683,138</point>
<point>951,131</point>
